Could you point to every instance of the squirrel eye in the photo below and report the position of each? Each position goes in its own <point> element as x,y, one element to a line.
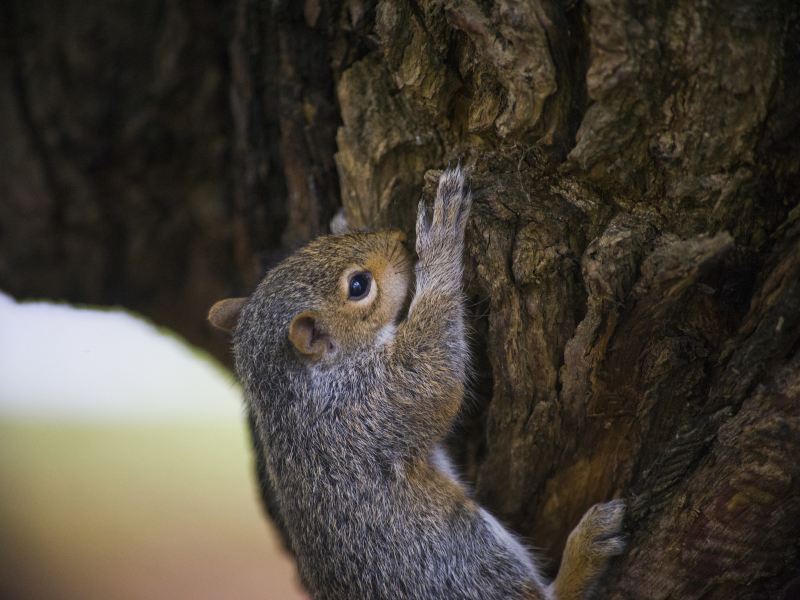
<point>358,287</point>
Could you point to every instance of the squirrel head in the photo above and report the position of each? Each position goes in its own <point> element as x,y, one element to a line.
<point>334,296</point>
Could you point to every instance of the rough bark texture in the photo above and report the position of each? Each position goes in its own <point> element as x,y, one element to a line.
<point>633,258</point>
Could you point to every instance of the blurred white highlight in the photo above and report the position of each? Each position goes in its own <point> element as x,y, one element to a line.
<point>59,362</point>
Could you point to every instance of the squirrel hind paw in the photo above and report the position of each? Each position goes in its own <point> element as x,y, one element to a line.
<point>596,539</point>
<point>612,546</point>
<point>610,514</point>
<point>602,525</point>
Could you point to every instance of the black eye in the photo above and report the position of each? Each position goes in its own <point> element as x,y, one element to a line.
<point>359,285</point>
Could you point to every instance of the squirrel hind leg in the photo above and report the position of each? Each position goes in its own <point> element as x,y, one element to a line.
<point>596,539</point>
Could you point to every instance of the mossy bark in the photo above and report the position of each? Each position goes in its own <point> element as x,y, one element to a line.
<point>633,260</point>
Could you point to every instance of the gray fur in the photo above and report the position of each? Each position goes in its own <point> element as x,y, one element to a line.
<point>348,440</point>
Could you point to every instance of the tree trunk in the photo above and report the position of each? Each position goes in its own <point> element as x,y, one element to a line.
<point>633,261</point>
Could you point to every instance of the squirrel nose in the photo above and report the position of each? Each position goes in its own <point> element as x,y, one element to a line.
<point>397,235</point>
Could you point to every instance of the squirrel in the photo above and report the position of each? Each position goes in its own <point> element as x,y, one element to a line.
<point>351,402</point>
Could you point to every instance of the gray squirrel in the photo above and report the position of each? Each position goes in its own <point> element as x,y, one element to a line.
<point>351,406</point>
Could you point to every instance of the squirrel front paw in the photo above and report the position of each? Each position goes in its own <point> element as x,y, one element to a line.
<point>440,236</point>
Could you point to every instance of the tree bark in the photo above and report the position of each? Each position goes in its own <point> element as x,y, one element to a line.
<point>633,260</point>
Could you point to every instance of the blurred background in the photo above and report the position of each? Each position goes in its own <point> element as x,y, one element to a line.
<point>124,465</point>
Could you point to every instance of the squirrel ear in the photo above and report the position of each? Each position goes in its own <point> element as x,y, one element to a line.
<point>306,335</point>
<point>225,313</point>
